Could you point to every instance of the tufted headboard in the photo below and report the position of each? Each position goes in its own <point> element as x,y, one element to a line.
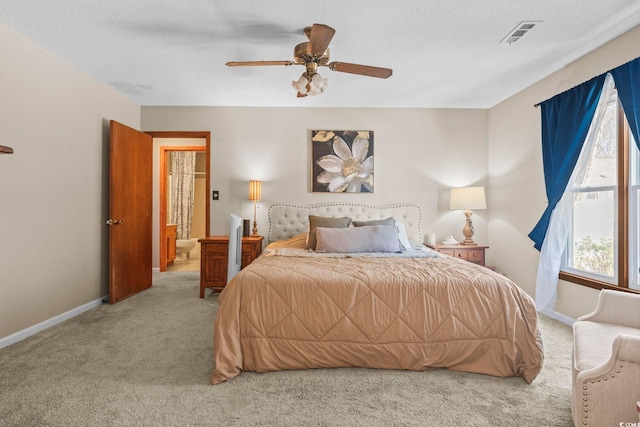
<point>286,221</point>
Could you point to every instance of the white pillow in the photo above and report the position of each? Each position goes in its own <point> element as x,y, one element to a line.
<point>374,238</point>
<point>402,236</point>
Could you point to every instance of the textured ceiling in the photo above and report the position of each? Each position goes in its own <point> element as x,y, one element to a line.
<point>444,53</point>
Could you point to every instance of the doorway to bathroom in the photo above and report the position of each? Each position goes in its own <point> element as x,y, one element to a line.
<point>181,208</point>
<point>183,197</point>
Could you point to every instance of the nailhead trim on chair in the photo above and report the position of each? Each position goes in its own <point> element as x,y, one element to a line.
<point>585,405</point>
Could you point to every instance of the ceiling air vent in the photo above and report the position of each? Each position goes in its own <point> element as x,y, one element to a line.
<point>519,31</point>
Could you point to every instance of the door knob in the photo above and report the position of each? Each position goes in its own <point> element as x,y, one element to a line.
<point>113,221</point>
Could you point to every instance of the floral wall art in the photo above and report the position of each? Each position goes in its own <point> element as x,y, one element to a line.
<point>341,161</point>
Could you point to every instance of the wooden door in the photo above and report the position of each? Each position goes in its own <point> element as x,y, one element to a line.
<point>130,210</point>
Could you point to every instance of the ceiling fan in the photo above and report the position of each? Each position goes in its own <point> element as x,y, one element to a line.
<point>314,54</point>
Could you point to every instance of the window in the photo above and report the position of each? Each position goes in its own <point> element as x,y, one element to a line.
<point>603,244</point>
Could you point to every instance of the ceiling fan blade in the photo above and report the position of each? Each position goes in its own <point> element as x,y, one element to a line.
<point>301,95</point>
<point>364,70</point>
<point>319,38</point>
<point>257,63</point>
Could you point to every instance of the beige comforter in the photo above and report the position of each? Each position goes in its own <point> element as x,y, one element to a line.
<point>289,312</point>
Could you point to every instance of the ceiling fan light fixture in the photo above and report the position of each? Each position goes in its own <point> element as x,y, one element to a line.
<point>314,54</point>
<point>310,86</point>
<point>317,84</point>
<point>301,84</point>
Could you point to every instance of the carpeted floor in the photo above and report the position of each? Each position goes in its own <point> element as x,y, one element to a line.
<point>147,360</point>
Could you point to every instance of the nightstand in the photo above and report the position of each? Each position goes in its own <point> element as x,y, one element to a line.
<point>214,255</point>
<point>471,253</point>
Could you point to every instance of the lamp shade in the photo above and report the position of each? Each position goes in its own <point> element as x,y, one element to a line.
<point>255,191</point>
<point>467,198</point>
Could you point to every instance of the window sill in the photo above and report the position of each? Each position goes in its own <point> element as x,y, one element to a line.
<point>592,283</point>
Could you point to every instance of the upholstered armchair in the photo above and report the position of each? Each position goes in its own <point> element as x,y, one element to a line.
<point>606,362</point>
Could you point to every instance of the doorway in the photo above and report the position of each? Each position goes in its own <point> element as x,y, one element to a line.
<point>176,142</point>
<point>182,206</point>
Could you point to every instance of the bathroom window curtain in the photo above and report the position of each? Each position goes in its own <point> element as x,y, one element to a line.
<point>183,166</point>
<point>557,230</point>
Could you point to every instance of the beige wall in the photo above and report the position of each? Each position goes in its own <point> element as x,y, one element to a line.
<point>517,197</point>
<point>53,189</point>
<point>419,154</point>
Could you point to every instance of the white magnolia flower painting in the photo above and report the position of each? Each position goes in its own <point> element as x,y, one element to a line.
<point>342,161</point>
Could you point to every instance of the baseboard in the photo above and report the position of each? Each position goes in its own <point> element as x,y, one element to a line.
<point>32,330</point>
<point>562,318</point>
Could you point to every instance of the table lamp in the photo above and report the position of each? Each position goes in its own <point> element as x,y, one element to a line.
<point>255,194</point>
<point>468,198</point>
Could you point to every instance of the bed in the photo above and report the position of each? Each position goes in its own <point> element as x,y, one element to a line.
<point>378,307</point>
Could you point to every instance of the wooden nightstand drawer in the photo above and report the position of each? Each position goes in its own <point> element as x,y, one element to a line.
<point>216,248</point>
<point>474,254</point>
<point>461,253</point>
<point>450,252</point>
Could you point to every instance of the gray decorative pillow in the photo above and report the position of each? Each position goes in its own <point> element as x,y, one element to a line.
<point>386,221</point>
<point>374,238</point>
<point>324,221</point>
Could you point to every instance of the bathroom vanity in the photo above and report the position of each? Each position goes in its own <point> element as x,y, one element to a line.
<point>213,259</point>
<point>171,243</point>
